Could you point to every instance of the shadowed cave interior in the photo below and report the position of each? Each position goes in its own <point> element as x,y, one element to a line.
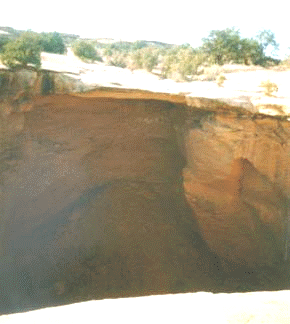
<point>109,198</point>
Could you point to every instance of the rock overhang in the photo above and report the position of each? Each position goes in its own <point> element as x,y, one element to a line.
<point>207,147</point>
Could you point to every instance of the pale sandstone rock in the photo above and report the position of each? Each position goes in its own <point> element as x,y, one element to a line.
<point>202,308</point>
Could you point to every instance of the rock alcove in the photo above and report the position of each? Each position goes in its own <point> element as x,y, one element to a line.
<point>115,193</point>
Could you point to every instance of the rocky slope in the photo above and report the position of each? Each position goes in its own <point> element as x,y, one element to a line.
<point>115,192</point>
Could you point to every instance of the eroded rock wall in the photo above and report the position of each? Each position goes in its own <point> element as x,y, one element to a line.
<point>237,182</point>
<point>112,194</point>
<point>19,87</point>
<point>95,194</point>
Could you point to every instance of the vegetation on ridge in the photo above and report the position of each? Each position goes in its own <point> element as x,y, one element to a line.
<point>179,62</point>
<point>23,51</point>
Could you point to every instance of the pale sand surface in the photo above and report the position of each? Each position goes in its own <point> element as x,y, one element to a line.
<point>240,88</point>
<point>199,308</point>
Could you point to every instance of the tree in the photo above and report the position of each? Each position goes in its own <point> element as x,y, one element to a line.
<point>267,38</point>
<point>85,51</point>
<point>22,51</point>
<point>222,45</point>
<point>52,43</point>
<point>3,41</point>
<point>251,51</point>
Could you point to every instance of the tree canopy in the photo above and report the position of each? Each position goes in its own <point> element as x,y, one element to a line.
<point>3,41</point>
<point>267,39</point>
<point>24,50</point>
<point>250,51</point>
<point>222,45</point>
<point>85,50</point>
<point>52,43</point>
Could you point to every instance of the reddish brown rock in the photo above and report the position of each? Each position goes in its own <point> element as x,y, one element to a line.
<point>109,193</point>
<point>236,182</point>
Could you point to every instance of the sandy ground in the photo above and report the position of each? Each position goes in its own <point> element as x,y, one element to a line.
<point>240,88</point>
<point>200,308</point>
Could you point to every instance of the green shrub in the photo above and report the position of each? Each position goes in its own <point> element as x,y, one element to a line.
<point>137,59</point>
<point>188,62</point>
<point>107,51</point>
<point>121,47</point>
<point>150,59</point>
<point>24,50</point>
<point>181,61</point>
<point>52,43</point>
<point>145,58</point>
<point>85,51</point>
<point>137,45</point>
<point>169,63</point>
<point>3,42</point>
<point>185,60</point>
<point>269,87</point>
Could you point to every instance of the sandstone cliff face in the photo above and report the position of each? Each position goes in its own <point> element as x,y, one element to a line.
<point>113,194</point>
<point>237,182</point>
<point>95,194</point>
<point>21,86</point>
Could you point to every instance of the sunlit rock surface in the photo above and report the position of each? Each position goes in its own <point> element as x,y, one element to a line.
<point>202,308</point>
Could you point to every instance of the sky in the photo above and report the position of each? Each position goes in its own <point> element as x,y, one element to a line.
<point>176,22</point>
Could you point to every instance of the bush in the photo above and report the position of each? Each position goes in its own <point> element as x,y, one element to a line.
<point>3,42</point>
<point>220,80</point>
<point>182,61</point>
<point>150,59</point>
<point>24,50</point>
<point>85,51</point>
<point>118,60</point>
<point>184,66</point>
<point>189,61</point>
<point>52,43</point>
<point>139,45</point>
<point>121,47</point>
<point>145,58</point>
<point>108,51</point>
<point>269,87</point>
<point>169,63</point>
<point>137,59</point>
<point>210,73</point>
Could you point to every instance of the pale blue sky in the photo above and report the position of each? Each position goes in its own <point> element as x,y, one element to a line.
<point>168,21</point>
